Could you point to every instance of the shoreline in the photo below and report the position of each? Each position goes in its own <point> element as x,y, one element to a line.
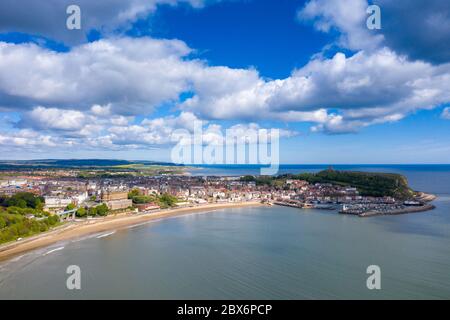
<point>78,229</point>
<point>73,230</point>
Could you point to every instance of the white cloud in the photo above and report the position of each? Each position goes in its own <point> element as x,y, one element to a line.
<point>446,113</point>
<point>186,120</point>
<point>54,119</point>
<point>129,76</point>
<point>164,131</point>
<point>110,81</point>
<point>348,17</point>
<point>48,128</point>
<point>48,17</point>
<point>415,28</point>
<point>364,89</point>
<point>101,110</point>
<point>26,139</point>
<point>70,123</point>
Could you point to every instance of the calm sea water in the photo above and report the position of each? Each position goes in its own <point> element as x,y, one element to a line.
<point>254,253</point>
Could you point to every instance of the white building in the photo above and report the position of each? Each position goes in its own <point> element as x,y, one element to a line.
<point>57,202</point>
<point>80,198</point>
<point>17,182</point>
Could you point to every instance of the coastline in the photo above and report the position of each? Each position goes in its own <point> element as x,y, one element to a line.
<point>79,229</point>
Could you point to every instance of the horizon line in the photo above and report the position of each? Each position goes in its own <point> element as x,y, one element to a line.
<point>223,164</point>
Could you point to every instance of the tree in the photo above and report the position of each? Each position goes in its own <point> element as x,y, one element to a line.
<point>102,210</point>
<point>143,199</point>
<point>14,224</point>
<point>20,203</point>
<point>23,200</point>
<point>52,220</point>
<point>92,211</point>
<point>134,193</point>
<point>81,212</point>
<point>70,206</point>
<point>2,222</point>
<point>167,200</point>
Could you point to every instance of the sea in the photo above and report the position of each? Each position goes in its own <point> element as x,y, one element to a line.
<point>254,253</point>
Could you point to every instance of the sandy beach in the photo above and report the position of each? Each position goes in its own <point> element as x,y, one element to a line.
<point>77,229</point>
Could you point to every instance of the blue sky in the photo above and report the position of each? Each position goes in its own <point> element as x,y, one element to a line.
<point>264,34</point>
<point>138,70</point>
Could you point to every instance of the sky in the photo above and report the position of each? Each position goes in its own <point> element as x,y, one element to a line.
<point>137,71</point>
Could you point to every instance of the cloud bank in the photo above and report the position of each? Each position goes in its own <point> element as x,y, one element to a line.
<point>128,77</point>
<point>102,94</point>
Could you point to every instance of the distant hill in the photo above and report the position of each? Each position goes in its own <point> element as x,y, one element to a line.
<point>72,163</point>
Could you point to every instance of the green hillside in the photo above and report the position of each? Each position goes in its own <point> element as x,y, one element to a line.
<point>368,183</point>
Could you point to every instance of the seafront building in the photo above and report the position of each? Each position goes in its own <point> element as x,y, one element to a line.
<point>116,200</point>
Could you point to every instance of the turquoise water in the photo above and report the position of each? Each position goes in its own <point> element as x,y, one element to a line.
<point>253,253</point>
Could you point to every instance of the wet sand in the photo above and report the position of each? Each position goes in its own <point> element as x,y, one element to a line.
<point>73,230</point>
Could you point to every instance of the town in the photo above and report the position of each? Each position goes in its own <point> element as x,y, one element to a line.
<point>70,197</point>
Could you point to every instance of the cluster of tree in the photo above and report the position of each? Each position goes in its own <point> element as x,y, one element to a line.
<point>13,227</point>
<point>24,211</point>
<point>164,201</point>
<point>139,198</point>
<point>70,206</point>
<point>14,210</point>
<point>100,210</point>
<point>367,183</point>
<point>22,200</point>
